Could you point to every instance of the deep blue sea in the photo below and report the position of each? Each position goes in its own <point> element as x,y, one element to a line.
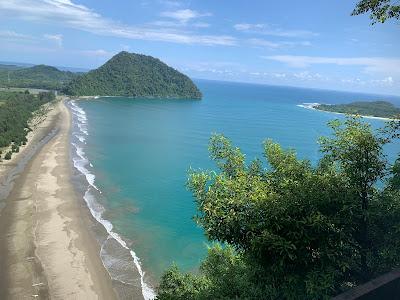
<point>136,153</point>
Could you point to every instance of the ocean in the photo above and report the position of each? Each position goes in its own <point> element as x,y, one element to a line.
<point>132,158</point>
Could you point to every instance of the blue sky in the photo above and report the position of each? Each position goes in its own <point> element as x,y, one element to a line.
<point>304,43</point>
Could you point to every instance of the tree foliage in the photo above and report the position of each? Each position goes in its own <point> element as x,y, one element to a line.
<point>16,110</point>
<point>40,77</point>
<point>129,74</point>
<point>381,109</point>
<point>380,10</point>
<point>293,230</point>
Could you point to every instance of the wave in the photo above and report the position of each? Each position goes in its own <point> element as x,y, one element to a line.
<point>96,209</point>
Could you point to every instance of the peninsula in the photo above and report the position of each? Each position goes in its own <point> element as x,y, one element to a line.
<point>134,75</point>
<point>377,109</point>
<point>381,109</point>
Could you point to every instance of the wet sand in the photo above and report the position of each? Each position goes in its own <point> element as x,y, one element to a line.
<point>46,248</point>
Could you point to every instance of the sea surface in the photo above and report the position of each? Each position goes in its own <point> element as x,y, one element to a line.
<point>134,155</point>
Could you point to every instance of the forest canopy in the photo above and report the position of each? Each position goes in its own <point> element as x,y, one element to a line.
<point>381,109</point>
<point>291,230</point>
<point>39,77</point>
<point>135,75</point>
<point>16,109</point>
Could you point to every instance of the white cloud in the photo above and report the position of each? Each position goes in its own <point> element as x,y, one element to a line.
<point>388,81</point>
<point>308,76</point>
<point>384,82</point>
<point>68,14</point>
<point>57,38</point>
<point>97,52</point>
<point>174,24</point>
<point>371,64</point>
<point>264,43</point>
<point>270,30</point>
<point>279,75</point>
<point>276,45</point>
<point>13,35</point>
<point>201,25</point>
<point>171,3</point>
<point>184,15</point>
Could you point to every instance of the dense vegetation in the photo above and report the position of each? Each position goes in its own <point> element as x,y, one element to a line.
<point>381,109</point>
<point>128,74</point>
<point>16,109</point>
<point>40,77</point>
<point>380,10</point>
<point>291,230</point>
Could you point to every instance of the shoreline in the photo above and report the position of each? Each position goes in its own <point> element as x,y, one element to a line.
<point>47,249</point>
<point>121,262</point>
<point>312,106</point>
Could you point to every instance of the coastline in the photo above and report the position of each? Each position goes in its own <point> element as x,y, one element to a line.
<point>117,255</point>
<point>312,106</point>
<point>47,249</point>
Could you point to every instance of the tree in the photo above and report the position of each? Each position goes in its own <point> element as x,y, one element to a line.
<point>395,180</point>
<point>16,110</point>
<point>293,230</point>
<point>380,10</point>
<point>8,155</point>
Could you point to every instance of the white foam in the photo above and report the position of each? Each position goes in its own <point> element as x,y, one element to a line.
<point>81,117</point>
<point>308,105</point>
<point>80,165</point>
<point>81,138</point>
<point>95,208</point>
<point>97,212</point>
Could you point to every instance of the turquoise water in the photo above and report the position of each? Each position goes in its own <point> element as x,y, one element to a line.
<point>141,149</point>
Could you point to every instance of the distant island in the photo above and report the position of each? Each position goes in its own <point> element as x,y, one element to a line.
<point>38,77</point>
<point>379,109</point>
<point>135,75</point>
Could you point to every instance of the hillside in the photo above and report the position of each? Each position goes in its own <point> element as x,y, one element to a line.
<point>40,76</point>
<point>380,109</point>
<point>9,67</point>
<point>136,75</point>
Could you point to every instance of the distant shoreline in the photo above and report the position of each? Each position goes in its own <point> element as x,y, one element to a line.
<point>313,106</point>
<point>132,97</point>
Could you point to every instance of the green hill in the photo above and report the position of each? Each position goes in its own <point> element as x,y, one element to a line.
<point>381,109</point>
<point>40,76</point>
<point>129,74</point>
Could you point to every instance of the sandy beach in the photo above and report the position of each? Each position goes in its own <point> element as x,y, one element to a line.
<point>47,250</point>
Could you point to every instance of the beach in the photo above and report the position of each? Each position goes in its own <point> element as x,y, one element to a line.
<point>47,249</point>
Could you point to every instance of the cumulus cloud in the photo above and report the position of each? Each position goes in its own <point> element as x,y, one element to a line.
<point>69,14</point>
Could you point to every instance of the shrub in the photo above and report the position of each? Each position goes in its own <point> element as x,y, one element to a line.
<point>8,155</point>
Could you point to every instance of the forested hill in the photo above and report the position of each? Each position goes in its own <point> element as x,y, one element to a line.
<point>136,75</point>
<point>40,76</point>
<point>381,109</point>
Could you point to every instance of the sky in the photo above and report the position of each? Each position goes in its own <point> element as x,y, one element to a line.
<point>307,43</point>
